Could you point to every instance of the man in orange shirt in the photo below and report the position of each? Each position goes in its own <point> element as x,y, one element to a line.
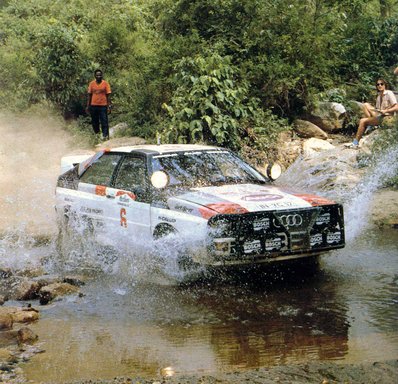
<point>98,103</point>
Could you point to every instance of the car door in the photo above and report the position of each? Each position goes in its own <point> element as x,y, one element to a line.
<point>93,204</point>
<point>130,192</point>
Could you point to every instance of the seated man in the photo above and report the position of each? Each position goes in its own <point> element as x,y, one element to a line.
<point>386,105</point>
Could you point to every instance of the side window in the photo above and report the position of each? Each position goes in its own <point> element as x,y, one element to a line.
<point>100,173</point>
<point>131,175</point>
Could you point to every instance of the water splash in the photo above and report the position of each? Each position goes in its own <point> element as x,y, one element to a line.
<point>357,207</point>
<point>336,175</point>
<point>128,261</point>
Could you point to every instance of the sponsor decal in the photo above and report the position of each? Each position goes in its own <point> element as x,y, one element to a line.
<point>262,197</point>
<point>123,218</point>
<point>183,208</point>
<point>91,210</point>
<point>272,244</point>
<point>167,219</point>
<point>252,246</point>
<point>125,196</point>
<point>261,224</point>
<point>100,190</point>
<point>314,200</point>
<point>333,237</point>
<point>323,219</point>
<point>316,239</point>
<point>210,210</point>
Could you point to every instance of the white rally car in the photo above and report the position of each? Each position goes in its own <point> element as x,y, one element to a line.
<point>226,212</point>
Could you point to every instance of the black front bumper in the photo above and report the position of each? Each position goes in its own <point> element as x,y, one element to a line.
<point>276,235</point>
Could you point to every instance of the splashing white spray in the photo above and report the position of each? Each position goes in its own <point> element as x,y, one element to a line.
<point>357,208</point>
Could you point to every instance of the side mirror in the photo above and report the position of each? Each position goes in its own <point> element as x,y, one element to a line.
<point>160,179</point>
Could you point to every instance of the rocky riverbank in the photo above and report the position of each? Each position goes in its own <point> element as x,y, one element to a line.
<point>317,373</point>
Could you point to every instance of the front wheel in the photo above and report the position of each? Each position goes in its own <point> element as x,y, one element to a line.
<point>172,247</point>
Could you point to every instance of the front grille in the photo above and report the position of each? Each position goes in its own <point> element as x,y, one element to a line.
<point>285,232</point>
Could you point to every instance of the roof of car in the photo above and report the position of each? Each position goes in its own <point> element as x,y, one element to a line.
<point>165,148</point>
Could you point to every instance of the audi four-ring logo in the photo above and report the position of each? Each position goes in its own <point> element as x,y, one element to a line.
<point>293,220</point>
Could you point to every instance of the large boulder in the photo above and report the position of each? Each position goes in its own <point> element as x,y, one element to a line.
<point>313,146</point>
<point>329,116</point>
<point>306,129</point>
<point>356,107</point>
<point>118,129</point>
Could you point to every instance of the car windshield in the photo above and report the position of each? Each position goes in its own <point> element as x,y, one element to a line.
<point>198,169</point>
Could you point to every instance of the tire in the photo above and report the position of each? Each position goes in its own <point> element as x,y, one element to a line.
<point>168,238</point>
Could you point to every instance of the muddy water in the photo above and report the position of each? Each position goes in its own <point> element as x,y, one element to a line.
<point>123,325</point>
<point>346,312</point>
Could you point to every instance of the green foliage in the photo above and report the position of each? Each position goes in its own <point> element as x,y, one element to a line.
<point>60,65</point>
<point>226,71</point>
<point>208,103</point>
<point>211,105</point>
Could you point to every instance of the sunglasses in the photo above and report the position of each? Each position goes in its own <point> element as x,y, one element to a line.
<point>379,84</point>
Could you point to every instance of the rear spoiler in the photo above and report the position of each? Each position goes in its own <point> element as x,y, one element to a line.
<point>70,161</point>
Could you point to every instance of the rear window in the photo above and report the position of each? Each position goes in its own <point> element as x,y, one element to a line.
<point>101,171</point>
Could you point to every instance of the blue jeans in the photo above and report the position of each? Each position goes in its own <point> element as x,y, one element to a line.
<point>99,115</point>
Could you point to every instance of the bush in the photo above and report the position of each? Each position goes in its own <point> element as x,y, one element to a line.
<point>61,67</point>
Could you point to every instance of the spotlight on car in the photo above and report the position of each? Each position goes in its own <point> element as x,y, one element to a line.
<point>159,179</point>
<point>274,171</point>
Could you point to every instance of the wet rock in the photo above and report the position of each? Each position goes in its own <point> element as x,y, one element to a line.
<point>30,272</point>
<point>329,116</point>
<point>3,299</point>
<point>384,208</point>
<point>5,273</point>
<point>289,148</point>
<point>50,292</point>
<point>6,356</point>
<point>27,290</point>
<point>8,338</point>
<point>306,129</point>
<point>313,146</point>
<point>20,315</point>
<point>77,281</point>
<point>6,321</point>
<point>26,336</point>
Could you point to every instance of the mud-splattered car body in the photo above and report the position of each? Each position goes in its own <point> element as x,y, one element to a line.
<point>226,212</point>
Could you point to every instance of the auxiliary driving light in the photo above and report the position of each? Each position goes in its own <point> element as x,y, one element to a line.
<point>223,246</point>
<point>159,179</point>
<point>273,171</point>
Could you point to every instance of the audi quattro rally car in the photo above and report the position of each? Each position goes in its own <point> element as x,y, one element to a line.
<point>226,212</point>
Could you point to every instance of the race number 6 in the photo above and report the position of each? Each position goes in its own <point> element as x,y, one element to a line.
<point>123,219</point>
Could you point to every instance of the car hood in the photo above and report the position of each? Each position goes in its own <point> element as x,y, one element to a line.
<point>241,198</point>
